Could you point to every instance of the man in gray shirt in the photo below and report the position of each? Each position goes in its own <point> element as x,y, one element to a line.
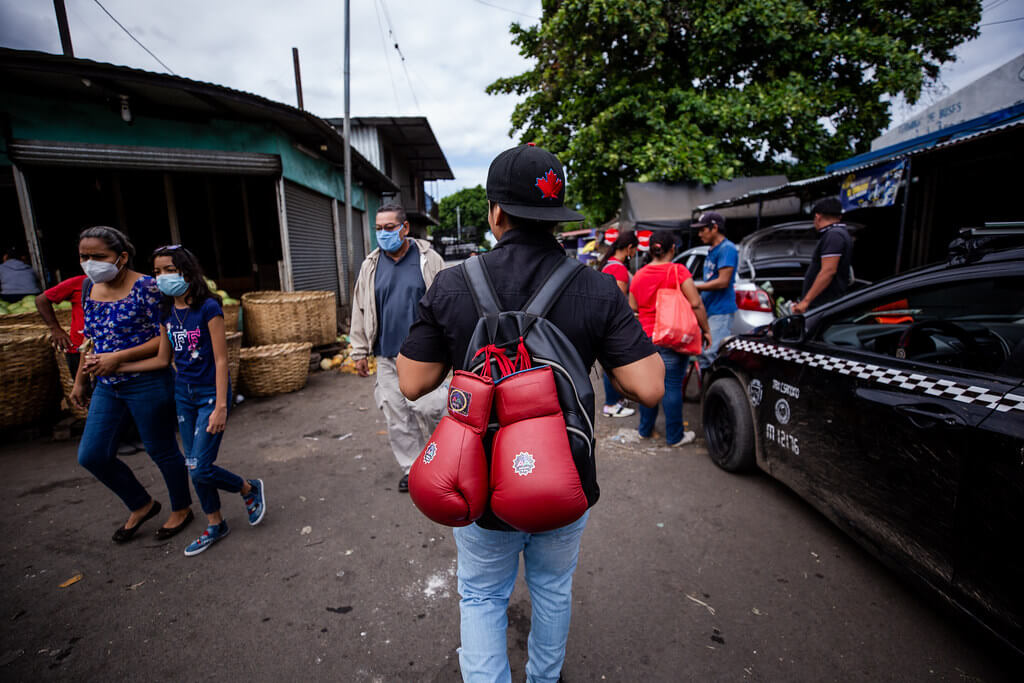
<point>391,282</point>
<point>17,279</point>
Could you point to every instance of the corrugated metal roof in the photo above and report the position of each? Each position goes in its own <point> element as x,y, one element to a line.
<point>43,72</point>
<point>789,188</point>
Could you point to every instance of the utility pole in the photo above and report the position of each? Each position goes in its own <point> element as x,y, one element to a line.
<point>62,26</point>
<point>348,133</point>
<point>458,223</point>
<point>298,75</point>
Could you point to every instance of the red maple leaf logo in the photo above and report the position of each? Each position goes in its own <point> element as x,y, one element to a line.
<point>550,184</point>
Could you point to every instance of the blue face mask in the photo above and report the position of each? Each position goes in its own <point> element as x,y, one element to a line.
<point>172,284</point>
<point>390,240</point>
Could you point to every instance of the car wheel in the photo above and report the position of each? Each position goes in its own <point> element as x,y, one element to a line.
<point>728,426</point>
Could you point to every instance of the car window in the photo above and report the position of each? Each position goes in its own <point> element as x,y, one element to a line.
<point>971,324</point>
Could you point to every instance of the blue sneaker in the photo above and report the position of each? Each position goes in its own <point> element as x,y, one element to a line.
<point>213,533</point>
<point>256,502</point>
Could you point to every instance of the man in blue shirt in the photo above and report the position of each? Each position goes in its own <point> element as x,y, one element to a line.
<point>716,289</point>
<point>391,282</point>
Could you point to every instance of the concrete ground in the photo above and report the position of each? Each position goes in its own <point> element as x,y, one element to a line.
<point>686,572</point>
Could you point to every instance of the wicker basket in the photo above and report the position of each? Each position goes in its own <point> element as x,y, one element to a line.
<point>275,368</point>
<point>67,383</point>
<point>234,340</point>
<point>282,317</point>
<point>28,390</point>
<point>33,318</point>
<point>231,317</point>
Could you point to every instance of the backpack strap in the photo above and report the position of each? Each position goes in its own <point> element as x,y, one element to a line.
<point>547,294</point>
<point>86,288</point>
<point>480,286</point>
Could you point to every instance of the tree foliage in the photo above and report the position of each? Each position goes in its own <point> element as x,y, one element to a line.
<point>705,90</point>
<point>473,203</point>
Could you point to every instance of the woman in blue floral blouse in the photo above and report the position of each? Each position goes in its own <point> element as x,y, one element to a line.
<point>122,319</point>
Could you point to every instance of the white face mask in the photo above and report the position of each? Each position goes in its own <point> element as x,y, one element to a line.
<point>100,271</point>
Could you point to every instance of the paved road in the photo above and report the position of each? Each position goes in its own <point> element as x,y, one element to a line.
<point>686,573</point>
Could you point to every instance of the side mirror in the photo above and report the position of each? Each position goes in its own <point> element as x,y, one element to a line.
<point>792,328</point>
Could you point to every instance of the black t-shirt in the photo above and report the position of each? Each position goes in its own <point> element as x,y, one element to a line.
<point>591,311</point>
<point>832,241</point>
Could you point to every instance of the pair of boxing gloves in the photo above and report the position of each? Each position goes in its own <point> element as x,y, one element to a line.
<point>532,483</point>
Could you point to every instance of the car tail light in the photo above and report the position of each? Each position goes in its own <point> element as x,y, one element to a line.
<point>754,300</point>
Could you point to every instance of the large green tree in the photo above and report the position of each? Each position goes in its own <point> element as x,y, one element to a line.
<point>472,202</point>
<point>705,90</point>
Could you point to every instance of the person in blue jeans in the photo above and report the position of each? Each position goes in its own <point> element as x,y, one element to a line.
<point>121,310</point>
<point>661,273</point>
<point>192,331</point>
<point>526,201</point>
<point>717,289</point>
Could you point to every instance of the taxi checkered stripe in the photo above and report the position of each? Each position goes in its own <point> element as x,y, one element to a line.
<point>913,382</point>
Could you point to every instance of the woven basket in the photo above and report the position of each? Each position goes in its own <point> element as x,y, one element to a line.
<point>33,318</point>
<point>282,317</point>
<point>275,368</point>
<point>67,383</point>
<point>231,317</point>
<point>234,340</point>
<point>28,390</point>
<point>30,318</point>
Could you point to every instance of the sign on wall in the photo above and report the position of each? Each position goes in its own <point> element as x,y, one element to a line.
<point>876,186</point>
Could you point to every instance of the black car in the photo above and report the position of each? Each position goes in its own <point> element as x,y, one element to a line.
<point>898,412</point>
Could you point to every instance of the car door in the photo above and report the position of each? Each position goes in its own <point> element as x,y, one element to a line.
<point>915,368</point>
<point>989,560</point>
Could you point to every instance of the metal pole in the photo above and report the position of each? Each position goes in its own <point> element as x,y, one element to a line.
<point>903,217</point>
<point>458,223</point>
<point>298,75</point>
<point>28,220</point>
<point>62,26</point>
<point>348,127</point>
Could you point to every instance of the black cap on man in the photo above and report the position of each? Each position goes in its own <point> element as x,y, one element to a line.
<point>529,182</point>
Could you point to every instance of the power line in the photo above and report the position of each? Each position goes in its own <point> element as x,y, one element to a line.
<point>133,37</point>
<point>387,59</point>
<point>1004,21</point>
<point>391,32</point>
<point>506,9</point>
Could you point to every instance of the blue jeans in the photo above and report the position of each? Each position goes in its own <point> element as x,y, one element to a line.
<point>720,326</point>
<point>611,396</point>
<point>195,404</point>
<point>488,565</point>
<point>148,398</point>
<point>672,402</point>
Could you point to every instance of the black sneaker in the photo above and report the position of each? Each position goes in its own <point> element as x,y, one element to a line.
<point>403,484</point>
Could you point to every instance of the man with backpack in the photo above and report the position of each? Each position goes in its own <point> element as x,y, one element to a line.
<point>526,193</point>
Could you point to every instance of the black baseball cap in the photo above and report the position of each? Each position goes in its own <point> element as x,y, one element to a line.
<point>529,182</point>
<point>707,218</point>
<point>829,206</point>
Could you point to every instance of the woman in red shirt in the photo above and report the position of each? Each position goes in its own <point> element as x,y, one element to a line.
<point>613,262</point>
<point>643,294</point>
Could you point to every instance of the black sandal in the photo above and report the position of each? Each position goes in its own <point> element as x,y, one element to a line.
<point>166,532</point>
<point>123,535</point>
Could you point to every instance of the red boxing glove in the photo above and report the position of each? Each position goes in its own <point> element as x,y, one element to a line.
<point>534,482</point>
<point>448,481</point>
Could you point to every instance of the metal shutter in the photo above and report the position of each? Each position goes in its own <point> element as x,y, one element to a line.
<point>311,239</point>
<point>50,153</point>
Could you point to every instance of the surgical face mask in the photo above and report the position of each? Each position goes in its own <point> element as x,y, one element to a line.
<point>390,240</point>
<point>100,271</point>
<point>172,284</point>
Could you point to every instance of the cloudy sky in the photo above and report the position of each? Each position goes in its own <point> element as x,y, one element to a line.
<point>452,50</point>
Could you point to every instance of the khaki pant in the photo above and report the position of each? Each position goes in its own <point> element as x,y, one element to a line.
<point>410,423</point>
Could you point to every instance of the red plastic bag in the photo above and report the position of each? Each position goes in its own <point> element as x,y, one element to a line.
<point>675,323</point>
